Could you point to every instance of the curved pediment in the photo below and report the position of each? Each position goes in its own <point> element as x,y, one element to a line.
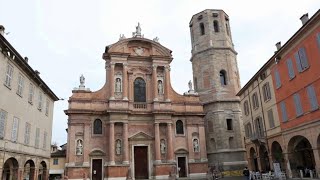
<point>138,47</point>
<point>97,152</point>
<point>181,151</point>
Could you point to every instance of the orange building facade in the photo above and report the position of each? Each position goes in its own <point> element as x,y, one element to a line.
<point>296,79</point>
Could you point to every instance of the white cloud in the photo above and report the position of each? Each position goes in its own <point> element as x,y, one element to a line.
<point>64,39</point>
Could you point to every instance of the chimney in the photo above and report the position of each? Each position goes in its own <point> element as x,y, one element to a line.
<point>304,18</point>
<point>26,59</point>
<point>2,30</point>
<point>278,45</point>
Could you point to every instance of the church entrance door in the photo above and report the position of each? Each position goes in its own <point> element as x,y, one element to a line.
<point>96,169</point>
<point>182,167</point>
<point>141,162</point>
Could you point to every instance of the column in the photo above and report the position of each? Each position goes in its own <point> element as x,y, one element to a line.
<point>202,141</point>
<point>167,83</point>
<point>170,144</point>
<point>157,142</point>
<point>124,82</point>
<point>111,80</point>
<point>111,147</point>
<point>125,144</point>
<point>155,83</point>
<point>317,160</point>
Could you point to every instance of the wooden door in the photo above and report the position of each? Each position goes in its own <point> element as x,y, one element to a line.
<point>96,169</point>
<point>141,162</point>
<point>182,167</point>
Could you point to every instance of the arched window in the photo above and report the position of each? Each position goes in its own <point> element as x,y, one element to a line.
<point>97,126</point>
<point>139,90</point>
<point>202,31</point>
<point>179,127</point>
<point>216,26</point>
<point>223,77</point>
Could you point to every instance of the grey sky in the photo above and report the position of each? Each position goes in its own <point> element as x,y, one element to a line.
<point>66,38</point>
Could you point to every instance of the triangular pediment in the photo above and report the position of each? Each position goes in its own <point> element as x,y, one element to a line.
<point>139,47</point>
<point>140,137</point>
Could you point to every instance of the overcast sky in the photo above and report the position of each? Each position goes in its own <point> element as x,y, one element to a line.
<point>66,38</point>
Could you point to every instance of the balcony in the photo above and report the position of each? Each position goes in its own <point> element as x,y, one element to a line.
<point>258,137</point>
<point>139,105</point>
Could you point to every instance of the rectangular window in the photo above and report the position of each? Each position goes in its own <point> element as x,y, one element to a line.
<point>278,80</point>
<point>3,117</point>
<point>55,161</point>
<point>255,101</point>
<point>249,130</point>
<point>312,98</point>
<point>27,133</point>
<point>31,92</point>
<point>14,132</point>
<point>9,74</point>
<point>47,107</point>
<point>229,124</point>
<point>44,140</point>
<point>270,117</point>
<point>266,92</point>
<point>297,103</point>
<point>246,108</point>
<point>40,100</point>
<point>37,138</point>
<point>20,84</point>
<point>284,111</point>
<point>259,127</point>
<point>290,69</point>
<point>301,59</point>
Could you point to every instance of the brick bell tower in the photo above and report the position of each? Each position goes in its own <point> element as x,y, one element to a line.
<point>216,79</point>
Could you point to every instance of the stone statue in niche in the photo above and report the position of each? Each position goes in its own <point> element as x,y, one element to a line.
<point>160,87</point>
<point>196,145</point>
<point>163,146</point>
<point>118,85</point>
<point>118,147</point>
<point>79,148</point>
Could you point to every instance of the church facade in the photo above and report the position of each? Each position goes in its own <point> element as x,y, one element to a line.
<point>136,126</point>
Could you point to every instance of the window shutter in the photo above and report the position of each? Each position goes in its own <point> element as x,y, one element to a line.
<point>270,117</point>
<point>312,98</point>
<point>303,58</point>
<point>297,103</point>
<point>290,68</point>
<point>298,62</point>
<point>14,133</point>
<point>277,76</point>
<point>3,116</point>
<point>284,111</point>
<point>27,134</point>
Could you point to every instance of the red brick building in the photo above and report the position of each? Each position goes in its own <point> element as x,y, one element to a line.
<point>136,125</point>
<point>296,78</point>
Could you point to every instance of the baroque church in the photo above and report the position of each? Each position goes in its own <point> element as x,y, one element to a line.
<point>137,127</point>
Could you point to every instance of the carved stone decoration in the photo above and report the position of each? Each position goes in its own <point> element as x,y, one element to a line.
<point>79,148</point>
<point>118,85</point>
<point>118,147</point>
<point>163,146</point>
<point>139,50</point>
<point>195,143</point>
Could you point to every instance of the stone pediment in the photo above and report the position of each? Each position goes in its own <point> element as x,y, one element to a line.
<point>140,137</point>
<point>181,151</point>
<point>97,152</point>
<point>138,47</point>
